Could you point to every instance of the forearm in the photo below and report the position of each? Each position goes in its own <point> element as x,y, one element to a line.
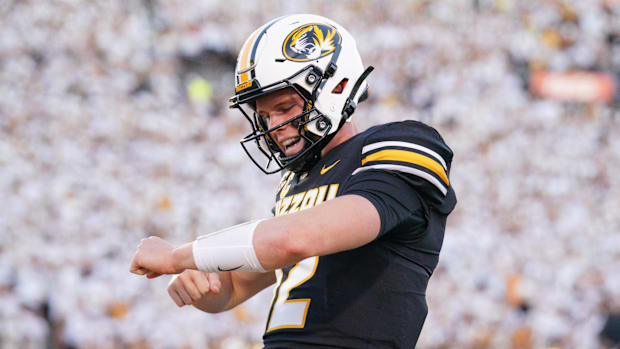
<point>276,251</point>
<point>337,225</point>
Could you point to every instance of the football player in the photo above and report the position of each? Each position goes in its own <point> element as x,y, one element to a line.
<point>359,217</point>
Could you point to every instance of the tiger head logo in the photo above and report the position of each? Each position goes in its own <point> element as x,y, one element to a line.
<point>311,41</point>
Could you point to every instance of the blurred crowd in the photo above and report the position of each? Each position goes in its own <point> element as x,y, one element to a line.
<point>114,126</point>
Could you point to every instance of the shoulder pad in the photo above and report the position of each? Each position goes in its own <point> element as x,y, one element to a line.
<point>413,150</point>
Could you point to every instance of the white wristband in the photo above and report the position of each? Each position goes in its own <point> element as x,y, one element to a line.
<point>230,249</point>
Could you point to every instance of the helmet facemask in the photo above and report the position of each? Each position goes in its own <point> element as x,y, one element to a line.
<point>269,157</point>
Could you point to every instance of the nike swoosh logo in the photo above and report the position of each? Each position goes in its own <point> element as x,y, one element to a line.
<point>325,169</point>
<point>231,269</point>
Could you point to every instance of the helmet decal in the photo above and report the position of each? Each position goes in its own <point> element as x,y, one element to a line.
<point>311,41</point>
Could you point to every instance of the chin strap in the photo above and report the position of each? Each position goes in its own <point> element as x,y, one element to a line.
<point>350,104</point>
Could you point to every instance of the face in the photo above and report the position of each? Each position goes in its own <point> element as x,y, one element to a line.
<point>279,107</point>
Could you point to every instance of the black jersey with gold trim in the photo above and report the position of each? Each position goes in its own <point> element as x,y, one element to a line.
<point>372,296</point>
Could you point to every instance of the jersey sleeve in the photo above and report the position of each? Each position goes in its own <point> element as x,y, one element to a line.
<point>404,171</point>
<point>394,199</point>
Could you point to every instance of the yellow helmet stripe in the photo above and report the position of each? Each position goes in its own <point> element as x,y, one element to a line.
<point>410,157</point>
<point>244,61</point>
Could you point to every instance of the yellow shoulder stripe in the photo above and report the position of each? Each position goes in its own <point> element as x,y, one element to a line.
<point>410,157</point>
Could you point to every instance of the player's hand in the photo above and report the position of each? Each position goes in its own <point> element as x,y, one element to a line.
<point>153,258</point>
<point>191,285</point>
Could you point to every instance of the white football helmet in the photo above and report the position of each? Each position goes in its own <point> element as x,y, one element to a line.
<point>312,55</point>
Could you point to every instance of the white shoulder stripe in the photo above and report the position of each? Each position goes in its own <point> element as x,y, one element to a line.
<point>378,145</point>
<point>405,169</point>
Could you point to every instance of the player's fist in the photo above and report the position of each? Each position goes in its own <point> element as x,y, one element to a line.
<point>154,256</point>
<point>191,285</point>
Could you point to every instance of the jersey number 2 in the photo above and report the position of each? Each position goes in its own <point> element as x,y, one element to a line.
<point>291,313</point>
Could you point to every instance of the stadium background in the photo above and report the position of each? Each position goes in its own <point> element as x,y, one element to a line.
<point>114,126</point>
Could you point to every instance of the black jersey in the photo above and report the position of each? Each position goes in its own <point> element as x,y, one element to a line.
<point>372,296</point>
